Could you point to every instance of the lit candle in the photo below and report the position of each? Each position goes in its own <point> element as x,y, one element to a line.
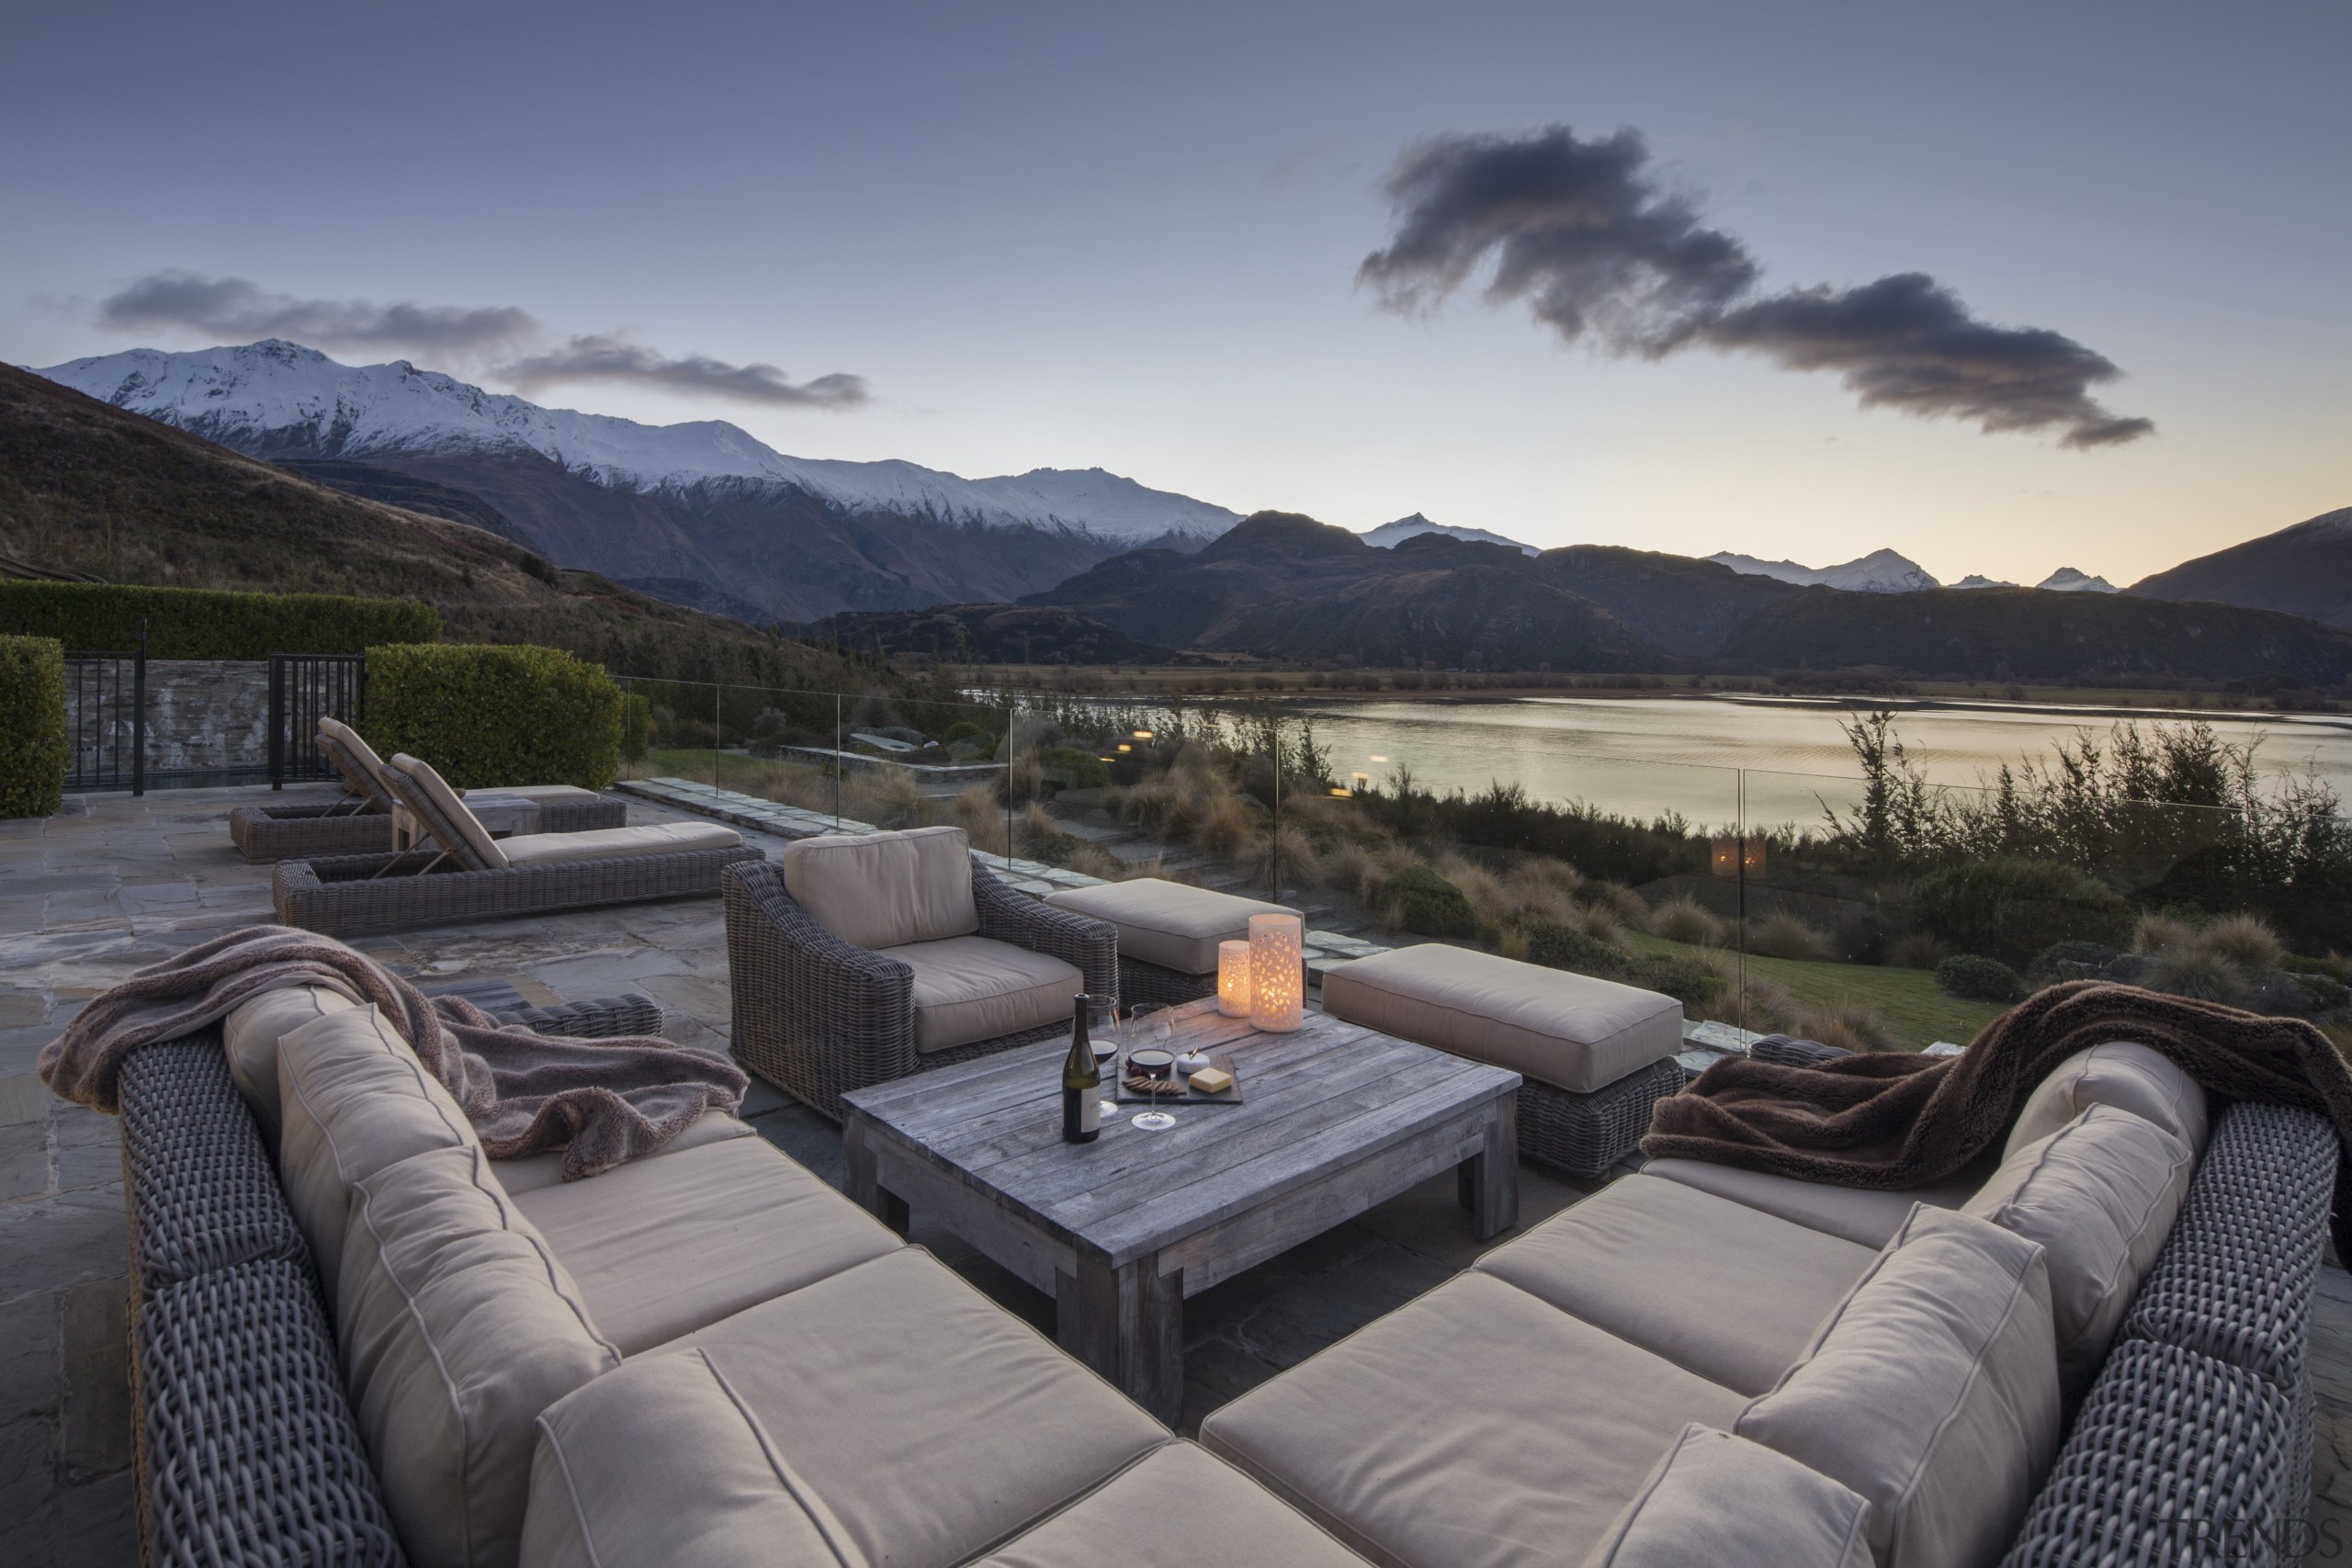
<point>1277,973</point>
<point>1233,978</point>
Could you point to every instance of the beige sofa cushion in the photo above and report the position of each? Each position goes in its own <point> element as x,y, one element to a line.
<point>1863,1217</point>
<point>475,849</point>
<point>877,890</point>
<point>618,843</point>
<point>1474,1427</point>
<point>2132,1077</point>
<point>1933,1392</point>
<point>1715,1288</point>
<point>1201,1512</point>
<point>1569,1030</point>
<point>1168,923</point>
<point>250,1035</point>
<point>456,1327</point>
<point>665,1245</point>
<point>969,988</point>
<point>1716,1498</point>
<point>2100,1195</point>
<point>355,1099</point>
<point>888,1415</point>
<point>528,1175</point>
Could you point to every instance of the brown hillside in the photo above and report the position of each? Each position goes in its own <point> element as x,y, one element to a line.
<point>88,489</point>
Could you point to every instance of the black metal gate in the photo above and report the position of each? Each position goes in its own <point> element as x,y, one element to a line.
<point>303,688</point>
<point>106,720</point>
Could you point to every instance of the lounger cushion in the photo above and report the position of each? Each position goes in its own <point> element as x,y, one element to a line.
<point>665,1245</point>
<point>1656,1263</point>
<point>969,988</point>
<point>533,1171</point>
<point>1857,1215</point>
<point>878,890</point>
<point>2100,1195</point>
<point>354,1100</point>
<point>360,752</point>
<point>1569,1030</point>
<point>1202,1512</point>
<point>1932,1392</point>
<point>458,1326</point>
<point>545,795</point>
<point>891,1409</point>
<point>2128,1077</point>
<point>1167,923</point>
<point>250,1033</point>
<point>1716,1498</point>
<point>1475,1426</point>
<point>618,843</point>
<point>475,848</point>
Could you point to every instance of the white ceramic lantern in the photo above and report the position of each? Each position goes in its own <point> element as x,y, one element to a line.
<point>1233,978</point>
<point>1277,973</point>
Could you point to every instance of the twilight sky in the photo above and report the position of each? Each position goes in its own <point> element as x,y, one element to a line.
<point>1246,251</point>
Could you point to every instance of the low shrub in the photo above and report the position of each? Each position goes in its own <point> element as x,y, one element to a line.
<point>2197,972</point>
<point>2009,908</point>
<point>1687,920</point>
<point>203,623</point>
<point>1785,936</point>
<point>2246,940</point>
<point>1863,935</point>
<point>1851,1026</point>
<point>1687,980</point>
<point>1073,769</point>
<point>1423,902</point>
<point>1977,978</point>
<point>963,730</point>
<point>1556,944</point>
<point>32,716</point>
<point>486,715</point>
<point>2070,960</point>
<point>1917,950</point>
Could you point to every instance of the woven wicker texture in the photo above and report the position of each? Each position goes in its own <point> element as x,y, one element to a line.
<point>2175,1459</point>
<point>343,896</point>
<point>604,1017</point>
<point>198,1183</point>
<point>1584,1134</point>
<point>307,832</point>
<point>1143,984</point>
<point>818,1018</point>
<point>1788,1052</point>
<point>249,1451</point>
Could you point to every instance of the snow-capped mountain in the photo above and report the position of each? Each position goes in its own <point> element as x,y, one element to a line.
<point>1976,579</point>
<point>1388,535</point>
<point>1880,572</point>
<point>2066,580</point>
<point>275,398</point>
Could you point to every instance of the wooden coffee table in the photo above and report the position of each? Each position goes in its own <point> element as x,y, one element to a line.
<point>1336,1118</point>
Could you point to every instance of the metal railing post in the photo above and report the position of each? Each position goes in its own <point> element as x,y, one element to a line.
<point>139,714</point>
<point>276,721</point>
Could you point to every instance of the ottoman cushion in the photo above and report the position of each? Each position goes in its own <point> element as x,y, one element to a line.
<point>1570,1030</point>
<point>1167,923</point>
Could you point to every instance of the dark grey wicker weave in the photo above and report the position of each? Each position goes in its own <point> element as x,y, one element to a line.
<point>306,833</point>
<point>818,1018</point>
<point>1148,984</point>
<point>1584,1134</point>
<point>344,895</point>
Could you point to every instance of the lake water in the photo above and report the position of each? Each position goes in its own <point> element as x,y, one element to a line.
<point>1639,757</point>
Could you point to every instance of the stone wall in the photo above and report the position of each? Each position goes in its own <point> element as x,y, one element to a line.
<point>208,720</point>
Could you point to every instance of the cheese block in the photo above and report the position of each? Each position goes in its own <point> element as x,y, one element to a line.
<point>1212,1080</point>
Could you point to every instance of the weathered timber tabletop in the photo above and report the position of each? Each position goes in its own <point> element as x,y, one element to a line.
<point>1338,1118</point>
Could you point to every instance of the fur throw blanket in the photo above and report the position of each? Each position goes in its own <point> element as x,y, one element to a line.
<point>601,1101</point>
<point>1888,1120</point>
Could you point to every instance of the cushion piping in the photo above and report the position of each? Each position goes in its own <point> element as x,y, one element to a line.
<point>820,1519</point>
<point>554,1445</point>
<point>1539,1032</point>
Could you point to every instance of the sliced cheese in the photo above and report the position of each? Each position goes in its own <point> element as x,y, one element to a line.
<point>1212,1080</point>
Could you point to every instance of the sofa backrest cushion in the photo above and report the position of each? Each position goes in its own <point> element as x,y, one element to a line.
<point>250,1035</point>
<point>2100,1195</point>
<point>457,1327</point>
<point>1717,1499</point>
<point>468,841</point>
<point>355,1099</point>
<point>2132,1077</point>
<point>876,890</point>
<point>1932,1390</point>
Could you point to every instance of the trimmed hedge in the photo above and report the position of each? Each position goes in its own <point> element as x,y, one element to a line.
<point>32,725</point>
<point>1428,904</point>
<point>202,623</point>
<point>485,714</point>
<point>1978,979</point>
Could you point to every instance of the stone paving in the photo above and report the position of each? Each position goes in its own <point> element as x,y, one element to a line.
<point>117,881</point>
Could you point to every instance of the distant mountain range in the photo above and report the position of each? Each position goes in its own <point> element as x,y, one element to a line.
<point>1390,534</point>
<point>1884,572</point>
<point>2305,569</point>
<point>702,502</point>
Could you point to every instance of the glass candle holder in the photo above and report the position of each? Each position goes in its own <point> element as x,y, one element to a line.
<point>1277,973</point>
<point>1233,979</point>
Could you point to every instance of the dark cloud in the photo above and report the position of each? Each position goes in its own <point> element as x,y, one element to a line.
<point>1585,232</point>
<point>612,359</point>
<point>237,310</point>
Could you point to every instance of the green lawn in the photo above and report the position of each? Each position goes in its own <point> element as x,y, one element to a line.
<point>1917,1013</point>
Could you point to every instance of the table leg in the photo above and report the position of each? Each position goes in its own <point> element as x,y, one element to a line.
<point>1129,1324</point>
<point>1488,1181</point>
<point>862,1180</point>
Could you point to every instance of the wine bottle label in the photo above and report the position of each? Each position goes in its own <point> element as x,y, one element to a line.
<point>1089,1113</point>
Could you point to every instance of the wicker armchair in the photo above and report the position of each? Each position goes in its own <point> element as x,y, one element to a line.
<point>818,1017</point>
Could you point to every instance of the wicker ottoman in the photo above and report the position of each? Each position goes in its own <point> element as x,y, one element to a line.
<point>1595,1054</point>
<point>1168,934</point>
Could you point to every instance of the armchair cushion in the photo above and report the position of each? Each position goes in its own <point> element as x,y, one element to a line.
<point>883,890</point>
<point>969,989</point>
<point>2127,1075</point>
<point>1717,1499</point>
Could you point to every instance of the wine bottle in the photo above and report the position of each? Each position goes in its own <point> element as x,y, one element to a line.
<point>1082,1084</point>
